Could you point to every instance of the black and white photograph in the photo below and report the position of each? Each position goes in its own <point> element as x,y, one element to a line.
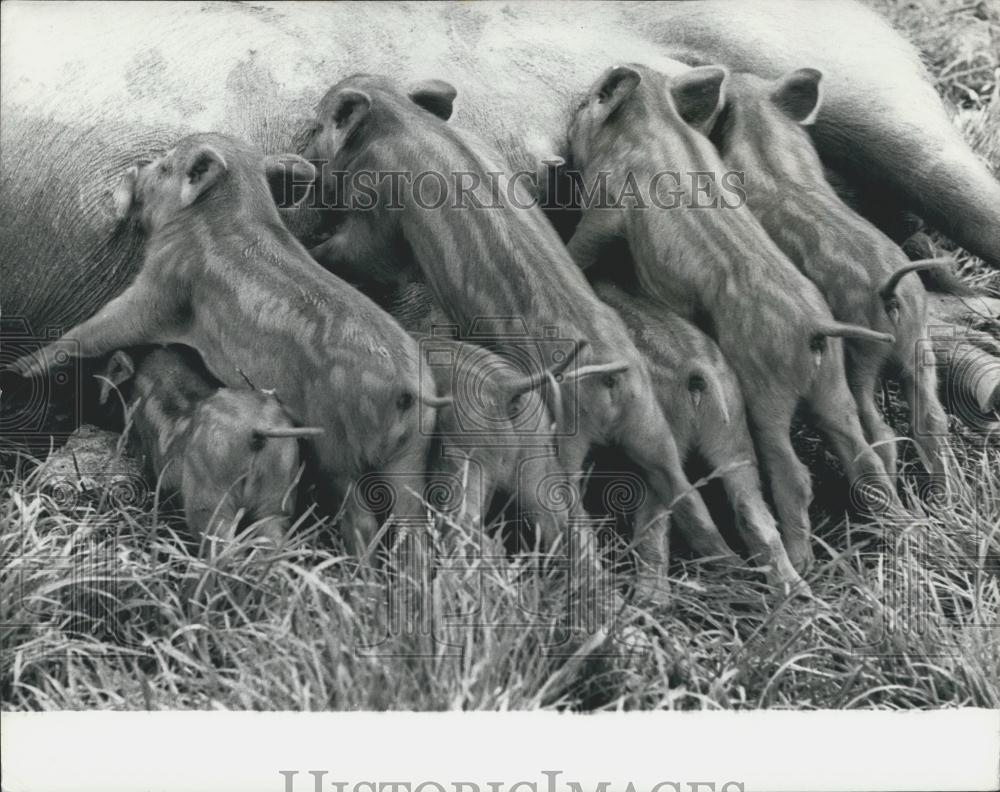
<point>456,366</point>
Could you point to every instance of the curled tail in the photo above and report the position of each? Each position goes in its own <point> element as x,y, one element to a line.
<point>842,330</point>
<point>702,380</point>
<point>437,402</point>
<point>287,431</point>
<point>940,279</point>
<point>617,367</point>
<point>533,381</point>
<point>888,289</point>
<point>817,344</point>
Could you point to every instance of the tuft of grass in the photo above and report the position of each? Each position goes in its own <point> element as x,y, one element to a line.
<point>114,610</point>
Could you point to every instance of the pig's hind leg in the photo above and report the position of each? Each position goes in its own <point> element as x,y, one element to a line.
<point>646,438</point>
<point>864,367</point>
<point>770,412</point>
<point>836,414</point>
<point>918,376</point>
<point>729,450</point>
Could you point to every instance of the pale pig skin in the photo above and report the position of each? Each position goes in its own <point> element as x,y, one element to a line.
<point>72,118</point>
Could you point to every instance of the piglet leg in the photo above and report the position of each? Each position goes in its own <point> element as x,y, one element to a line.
<point>930,424</point>
<point>837,417</point>
<point>863,374</point>
<point>791,487</point>
<point>128,320</point>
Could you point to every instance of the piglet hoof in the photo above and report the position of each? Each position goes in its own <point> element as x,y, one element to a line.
<point>790,587</point>
<point>270,533</point>
<point>801,555</point>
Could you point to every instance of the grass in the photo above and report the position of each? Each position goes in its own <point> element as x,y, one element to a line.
<point>107,605</point>
<point>115,610</point>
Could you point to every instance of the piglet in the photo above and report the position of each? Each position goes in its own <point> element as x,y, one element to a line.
<point>222,274</point>
<point>762,131</point>
<point>707,257</point>
<point>232,455</point>
<point>703,401</point>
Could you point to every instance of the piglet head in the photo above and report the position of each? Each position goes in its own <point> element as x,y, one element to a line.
<point>156,190</point>
<point>599,113</point>
<point>698,96</point>
<point>361,108</point>
<point>203,171</point>
<point>339,117</point>
<point>764,116</point>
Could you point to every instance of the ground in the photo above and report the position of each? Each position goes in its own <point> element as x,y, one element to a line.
<point>104,605</point>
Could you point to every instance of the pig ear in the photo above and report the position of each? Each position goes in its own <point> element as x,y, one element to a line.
<point>435,96</point>
<point>698,95</point>
<point>549,165</point>
<point>616,86</point>
<point>289,177</point>
<point>120,369</point>
<point>799,95</point>
<point>124,194</point>
<point>349,108</point>
<point>203,169</point>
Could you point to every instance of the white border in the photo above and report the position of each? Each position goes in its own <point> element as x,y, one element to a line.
<point>767,751</point>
